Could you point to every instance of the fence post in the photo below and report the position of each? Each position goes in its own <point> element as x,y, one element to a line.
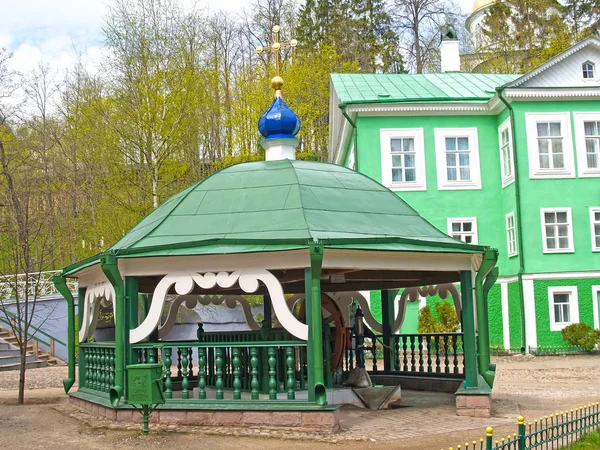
<point>34,345</point>
<point>489,433</point>
<point>51,347</point>
<point>521,437</point>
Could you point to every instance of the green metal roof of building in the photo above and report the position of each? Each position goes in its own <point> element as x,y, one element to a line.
<point>282,205</point>
<point>428,87</point>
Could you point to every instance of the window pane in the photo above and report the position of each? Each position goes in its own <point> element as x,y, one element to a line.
<point>557,313</point>
<point>566,313</point>
<point>563,242</point>
<point>550,231</point>
<point>469,239</point>
<point>561,298</point>
<point>550,243</point>
<point>542,129</point>
<point>450,159</point>
<point>555,129</point>
<point>590,128</point>
<point>558,161</point>
<point>450,144</point>
<point>410,175</point>
<point>549,218</point>
<point>465,174</point>
<point>396,145</point>
<point>409,145</point>
<point>456,226</point>
<point>563,231</point>
<point>463,159</point>
<point>409,161</point>
<point>396,174</point>
<point>596,216</point>
<point>561,217</point>
<point>597,239</point>
<point>467,226</point>
<point>396,161</point>
<point>543,145</point>
<point>505,137</point>
<point>451,172</point>
<point>544,162</point>
<point>463,143</point>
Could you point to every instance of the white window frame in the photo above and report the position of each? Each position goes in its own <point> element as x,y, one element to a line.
<point>510,178</point>
<point>535,172</point>
<point>594,209</point>
<point>510,253</point>
<point>593,77</point>
<point>386,136</point>
<point>571,247</point>
<point>440,155</point>
<point>473,221</point>
<point>571,291</point>
<point>578,121</point>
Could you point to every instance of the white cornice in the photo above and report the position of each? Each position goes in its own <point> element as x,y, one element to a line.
<point>551,94</point>
<point>422,108</point>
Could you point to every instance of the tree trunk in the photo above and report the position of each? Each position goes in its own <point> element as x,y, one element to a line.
<point>23,353</point>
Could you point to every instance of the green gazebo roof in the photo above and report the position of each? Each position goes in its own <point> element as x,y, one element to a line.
<point>282,205</point>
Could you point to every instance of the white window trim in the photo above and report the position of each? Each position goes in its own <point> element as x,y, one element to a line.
<point>593,209</point>
<point>451,220</point>
<point>511,214</point>
<point>595,293</point>
<point>386,135</point>
<point>440,156</point>
<point>506,180</point>
<point>578,119</point>
<point>593,70</point>
<point>535,172</point>
<point>571,248</point>
<point>573,306</point>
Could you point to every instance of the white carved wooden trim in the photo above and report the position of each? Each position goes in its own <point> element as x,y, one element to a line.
<point>247,279</point>
<point>415,293</point>
<point>101,293</point>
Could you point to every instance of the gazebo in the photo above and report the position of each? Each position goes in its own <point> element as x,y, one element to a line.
<point>308,237</point>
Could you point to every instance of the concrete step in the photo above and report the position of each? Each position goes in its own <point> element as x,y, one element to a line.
<point>8,360</point>
<point>28,365</point>
<point>9,352</point>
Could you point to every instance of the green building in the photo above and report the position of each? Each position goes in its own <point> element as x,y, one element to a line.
<point>511,161</point>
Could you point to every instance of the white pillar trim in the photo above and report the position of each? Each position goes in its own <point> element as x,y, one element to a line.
<point>530,324</point>
<point>595,294</point>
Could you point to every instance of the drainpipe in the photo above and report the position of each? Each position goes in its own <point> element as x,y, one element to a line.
<point>490,257</point>
<point>343,107</point>
<point>108,263</point>
<point>61,286</point>
<point>518,224</point>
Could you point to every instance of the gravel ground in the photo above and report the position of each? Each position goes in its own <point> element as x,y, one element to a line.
<point>40,378</point>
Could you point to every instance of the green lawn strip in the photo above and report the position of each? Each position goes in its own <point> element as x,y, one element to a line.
<point>590,441</point>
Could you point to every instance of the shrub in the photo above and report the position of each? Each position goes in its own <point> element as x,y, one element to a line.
<point>581,335</point>
<point>444,319</point>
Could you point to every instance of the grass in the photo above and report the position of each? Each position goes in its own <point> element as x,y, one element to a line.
<point>590,441</point>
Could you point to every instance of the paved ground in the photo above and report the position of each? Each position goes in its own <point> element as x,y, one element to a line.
<point>529,386</point>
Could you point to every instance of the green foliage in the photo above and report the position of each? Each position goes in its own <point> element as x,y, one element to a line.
<point>589,441</point>
<point>441,319</point>
<point>581,335</point>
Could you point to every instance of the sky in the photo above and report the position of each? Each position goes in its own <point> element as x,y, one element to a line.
<point>55,31</point>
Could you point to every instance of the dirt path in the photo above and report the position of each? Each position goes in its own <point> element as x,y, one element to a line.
<point>525,385</point>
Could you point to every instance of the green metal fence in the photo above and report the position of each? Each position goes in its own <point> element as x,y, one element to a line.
<point>556,431</point>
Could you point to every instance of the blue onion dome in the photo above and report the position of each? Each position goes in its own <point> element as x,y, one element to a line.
<point>279,121</point>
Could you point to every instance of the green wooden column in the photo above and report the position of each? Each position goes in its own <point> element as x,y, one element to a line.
<point>468,327</point>
<point>312,283</point>
<point>61,286</point>
<point>387,316</point>
<point>108,263</point>
<point>131,315</point>
<point>80,306</point>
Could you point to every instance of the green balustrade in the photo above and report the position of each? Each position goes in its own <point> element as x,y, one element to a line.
<point>254,374</point>
<point>272,374</point>
<point>185,393</point>
<point>291,378</point>
<point>97,365</point>
<point>219,371</point>
<point>168,381</point>
<point>237,384</point>
<point>202,373</point>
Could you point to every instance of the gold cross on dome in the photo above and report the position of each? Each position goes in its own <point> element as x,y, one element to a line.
<point>276,46</point>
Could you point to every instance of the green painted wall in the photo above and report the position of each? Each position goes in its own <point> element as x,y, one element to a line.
<point>577,193</point>
<point>435,205</point>
<point>514,315</point>
<point>495,317</point>
<point>376,305</point>
<point>545,337</point>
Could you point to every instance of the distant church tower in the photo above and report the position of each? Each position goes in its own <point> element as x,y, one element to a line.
<point>475,20</point>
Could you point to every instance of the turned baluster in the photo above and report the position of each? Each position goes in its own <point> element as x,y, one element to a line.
<point>167,366</point>
<point>420,339</point>
<point>219,371</point>
<point>179,373</point>
<point>254,373</point>
<point>272,379</point>
<point>185,384</point>
<point>191,364</point>
<point>413,365</point>
<point>237,383</point>
<point>202,373</point>
<point>291,373</point>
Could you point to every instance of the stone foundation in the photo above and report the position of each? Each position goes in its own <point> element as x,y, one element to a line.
<point>474,405</point>
<point>324,421</point>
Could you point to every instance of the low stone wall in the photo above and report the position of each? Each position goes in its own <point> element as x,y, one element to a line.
<point>418,383</point>
<point>474,405</point>
<point>311,421</point>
